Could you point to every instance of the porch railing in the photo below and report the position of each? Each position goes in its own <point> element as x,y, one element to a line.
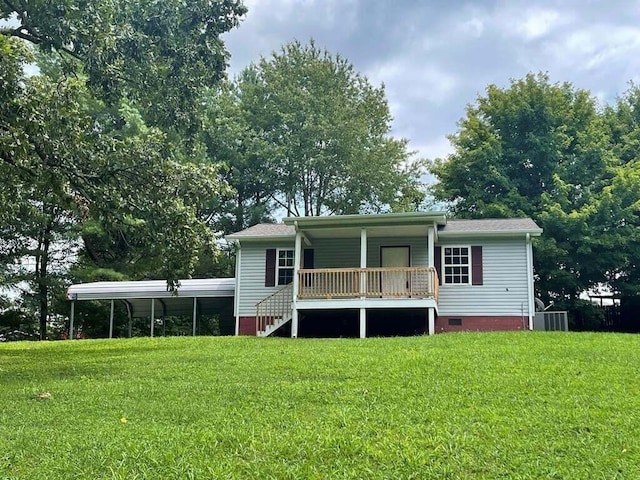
<point>274,309</point>
<point>400,282</point>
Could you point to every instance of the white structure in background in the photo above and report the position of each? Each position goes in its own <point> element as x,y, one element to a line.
<point>152,299</point>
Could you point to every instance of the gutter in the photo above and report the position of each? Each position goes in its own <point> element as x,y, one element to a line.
<point>529,279</point>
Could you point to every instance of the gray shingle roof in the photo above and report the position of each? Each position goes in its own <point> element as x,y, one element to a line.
<point>266,230</point>
<point>490,225</point>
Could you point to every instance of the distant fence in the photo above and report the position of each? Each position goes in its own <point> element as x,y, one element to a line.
<point>551,321</point>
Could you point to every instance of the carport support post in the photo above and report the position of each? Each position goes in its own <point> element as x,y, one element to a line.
<point>195,311</point>
<point>111,321</point>
<point>153,314</point>
<point>73,311</point>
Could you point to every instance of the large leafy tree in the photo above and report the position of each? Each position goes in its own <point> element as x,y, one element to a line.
<point>102,144</point>
<point>158,54</point>
<point>312,137</point>
<point>618,213</point>
<point>535,149</point>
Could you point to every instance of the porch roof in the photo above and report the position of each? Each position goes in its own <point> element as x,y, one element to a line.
<point>392,224</point>
<point>410,223</point>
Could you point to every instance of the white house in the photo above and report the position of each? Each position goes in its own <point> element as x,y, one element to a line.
<point>386,274</point>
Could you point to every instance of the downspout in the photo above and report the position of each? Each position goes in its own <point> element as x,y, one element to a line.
<point>530,300</point>
<point>236,293</point>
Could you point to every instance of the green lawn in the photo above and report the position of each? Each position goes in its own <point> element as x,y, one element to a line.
<point>491,405</point>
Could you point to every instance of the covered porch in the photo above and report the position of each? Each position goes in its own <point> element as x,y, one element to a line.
<point>357,262</point>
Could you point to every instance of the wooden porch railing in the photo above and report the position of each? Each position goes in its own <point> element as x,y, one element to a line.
<point>400,282</point>
<point>274,309</point>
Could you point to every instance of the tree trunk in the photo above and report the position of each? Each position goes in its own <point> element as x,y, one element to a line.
<point>42,280</point>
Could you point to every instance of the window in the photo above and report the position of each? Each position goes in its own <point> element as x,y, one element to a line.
<point>284,272</point>
<point>457,265</point>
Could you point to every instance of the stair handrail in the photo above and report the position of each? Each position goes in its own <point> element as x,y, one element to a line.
<point>273,308</point>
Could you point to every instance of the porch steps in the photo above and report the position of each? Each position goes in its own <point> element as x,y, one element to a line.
<point>274,326</point>
<point>274,311</point>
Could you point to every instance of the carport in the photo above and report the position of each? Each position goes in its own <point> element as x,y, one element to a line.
<point>152,299</point>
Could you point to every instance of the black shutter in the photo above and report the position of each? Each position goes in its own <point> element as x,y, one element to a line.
<point>307,260</point>
<point>437,262</point>
<point>270,268</point>
<point>476,265</point>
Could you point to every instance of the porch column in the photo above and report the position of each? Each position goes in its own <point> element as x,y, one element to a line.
<point>153,315</point>
<point>363,281</point>
<point>430,246</point>
<point>431,321</point>
<point>296,267</point>
<point>111,321</point>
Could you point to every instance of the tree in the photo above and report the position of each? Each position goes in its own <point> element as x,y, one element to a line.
<point>541,150</point>
<point>101,145</point>
<point>618,213</point>
<point>230,140</point>
<point>313,136</point>
<point>158,54</point>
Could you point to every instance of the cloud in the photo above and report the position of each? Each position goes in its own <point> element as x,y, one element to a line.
<point>590,48</point>
<point>436,57</point>
<point>538,23</point>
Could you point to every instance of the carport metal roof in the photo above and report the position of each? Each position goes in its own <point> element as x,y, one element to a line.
<point>200,288</point>
<point>150,298</point>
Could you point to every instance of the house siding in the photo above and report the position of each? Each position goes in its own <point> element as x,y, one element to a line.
<point>336,252</point>
<point>504,290</point>
<point>252,269</point>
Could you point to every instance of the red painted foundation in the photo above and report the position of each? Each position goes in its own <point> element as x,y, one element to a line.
<point>247,326</point>
<point>461,323</point>
<point>450,323</point>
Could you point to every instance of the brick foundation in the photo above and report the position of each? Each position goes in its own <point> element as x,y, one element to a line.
<point>247,326</point>
<point>475,323</point>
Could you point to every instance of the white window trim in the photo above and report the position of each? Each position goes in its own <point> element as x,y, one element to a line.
<point>443,264</point>
<point>278,267</point>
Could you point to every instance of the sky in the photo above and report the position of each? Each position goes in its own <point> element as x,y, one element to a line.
<point>436,57</point>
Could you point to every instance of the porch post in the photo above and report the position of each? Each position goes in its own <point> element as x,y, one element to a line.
<point>431,320</point>
<point>430,247</point>
<point>363,281</point>
<point>153,315</point>
<point>296,267</point>
<point>111,321</point>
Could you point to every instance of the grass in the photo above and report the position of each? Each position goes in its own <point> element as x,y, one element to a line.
<point>477,406</point>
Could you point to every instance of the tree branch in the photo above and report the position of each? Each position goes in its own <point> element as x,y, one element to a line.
<point>25,34</point>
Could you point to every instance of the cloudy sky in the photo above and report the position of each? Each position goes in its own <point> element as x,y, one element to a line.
<point>437,56</point>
